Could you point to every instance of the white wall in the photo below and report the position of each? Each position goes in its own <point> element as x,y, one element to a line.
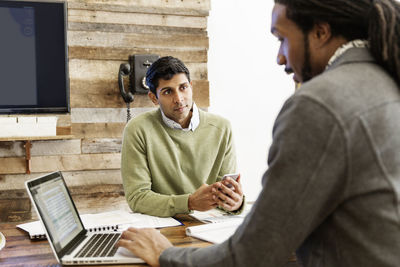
<point>246,85</point>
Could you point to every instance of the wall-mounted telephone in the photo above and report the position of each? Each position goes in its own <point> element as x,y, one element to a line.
<point>136,69</point>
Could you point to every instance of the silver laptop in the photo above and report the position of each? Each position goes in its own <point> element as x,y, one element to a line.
<point>70,242</point>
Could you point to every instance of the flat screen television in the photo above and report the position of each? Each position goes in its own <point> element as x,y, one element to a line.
<point>33,57</point>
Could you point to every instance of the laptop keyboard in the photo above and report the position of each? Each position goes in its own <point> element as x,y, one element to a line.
<point>99,245</point>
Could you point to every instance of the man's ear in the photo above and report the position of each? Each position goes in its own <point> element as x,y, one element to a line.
<point>320,34</point>
<point>153,98</point>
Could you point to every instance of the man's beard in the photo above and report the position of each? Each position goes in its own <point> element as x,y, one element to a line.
<point>306,69</point>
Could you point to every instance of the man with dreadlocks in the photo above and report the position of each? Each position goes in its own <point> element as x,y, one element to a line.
<point>332,190</point>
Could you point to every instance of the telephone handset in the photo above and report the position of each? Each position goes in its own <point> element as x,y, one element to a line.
<point>136,69</point>
<point>124,70</point>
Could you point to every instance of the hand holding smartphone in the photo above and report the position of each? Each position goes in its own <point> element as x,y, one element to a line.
<point>234,176</point>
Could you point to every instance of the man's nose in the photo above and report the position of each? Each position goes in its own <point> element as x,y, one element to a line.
<point>281,60</point>
<point>178,97</point>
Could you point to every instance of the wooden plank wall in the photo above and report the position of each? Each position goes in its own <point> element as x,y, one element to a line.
<point>101,36</point>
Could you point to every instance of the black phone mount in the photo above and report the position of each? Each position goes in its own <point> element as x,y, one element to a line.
<point>136,69</point>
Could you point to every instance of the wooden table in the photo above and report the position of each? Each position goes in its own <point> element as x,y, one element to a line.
<point>21,251</point>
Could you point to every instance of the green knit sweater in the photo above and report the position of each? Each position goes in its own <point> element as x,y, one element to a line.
<point>161,166</point>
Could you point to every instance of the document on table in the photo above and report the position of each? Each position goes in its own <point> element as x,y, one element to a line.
<point>214,232</point>
<point>219,225</point>
<point>218,215</point>
<point>118,220</point>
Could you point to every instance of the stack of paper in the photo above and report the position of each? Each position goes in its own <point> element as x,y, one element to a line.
<point>214,232</point>
<point>219,225</point>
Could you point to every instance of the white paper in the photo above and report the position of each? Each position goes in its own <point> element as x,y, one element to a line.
<point>104,221</point>
<point>218,215</point>
<point>214,232</point>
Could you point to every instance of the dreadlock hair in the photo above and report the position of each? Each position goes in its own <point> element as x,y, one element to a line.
<point>377,21</point>
<point>164,68</point>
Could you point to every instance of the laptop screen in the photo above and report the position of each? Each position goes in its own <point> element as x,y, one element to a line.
<point>56,209</point>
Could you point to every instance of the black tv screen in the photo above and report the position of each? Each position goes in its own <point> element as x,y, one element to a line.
<point>33,58</point>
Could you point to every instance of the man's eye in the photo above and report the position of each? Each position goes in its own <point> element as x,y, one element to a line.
<point>184,87</point>
<point>166,92</point>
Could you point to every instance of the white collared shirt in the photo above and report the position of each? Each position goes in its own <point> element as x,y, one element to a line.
<point>194,121</point>
<point>343,48</point>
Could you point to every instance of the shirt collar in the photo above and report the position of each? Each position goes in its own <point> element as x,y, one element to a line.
<point>343,48</point>
<point>194,121</point>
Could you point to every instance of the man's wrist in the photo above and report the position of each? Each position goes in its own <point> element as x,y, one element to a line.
<point>190,202</point>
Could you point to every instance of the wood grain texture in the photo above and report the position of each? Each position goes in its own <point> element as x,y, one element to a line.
<point>95,70</point>
<point>155,4</point>
<point>104,145</point>
<point>99,16</point>
<point>105,94</point>
<point>76,162</point>
<point>14,165</point>
<point>98,130</point>
<point>94,115</point>
<point>48,147</point>
<point>139,29</point>
<point>182,9</point>
<point>128,40</point>
<point>121,53</point>
<point>10,182</point>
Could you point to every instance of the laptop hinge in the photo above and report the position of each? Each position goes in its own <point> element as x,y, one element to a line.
<point>69,248</point>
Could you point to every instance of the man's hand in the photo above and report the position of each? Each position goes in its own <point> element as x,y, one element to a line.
<point>229,199</point>
<point>202,199</point>
<point>147,244</point>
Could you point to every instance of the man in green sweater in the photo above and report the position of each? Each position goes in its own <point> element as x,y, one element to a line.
<point>173,158</point>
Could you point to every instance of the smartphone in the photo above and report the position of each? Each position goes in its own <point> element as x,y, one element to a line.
<point>233,176</point>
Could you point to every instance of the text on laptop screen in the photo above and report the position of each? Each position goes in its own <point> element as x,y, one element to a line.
<point>57,211</point>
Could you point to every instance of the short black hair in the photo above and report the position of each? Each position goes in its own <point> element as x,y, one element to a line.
<point>164,68</point>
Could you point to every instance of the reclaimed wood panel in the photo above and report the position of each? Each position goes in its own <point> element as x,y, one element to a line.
<point>98,130</point>
<point>117,53</point>
<point>12,149</point>
<point>105,94</point>
<point>105,145</point>
<point>87,191</point>
<point>62,163</point>
<point>182,9</point>
<point>94,70</point>
<point>98,16</point>
<point>155,4</point>
<point>72,178</point>
<point>12,165</point>
<point>110,100</point>
<point>94,115</point>
<point>48,147</point>
<point>139,29</point>
<point>110,87</point>
<point>128,40</point>
<point>76,162</point>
